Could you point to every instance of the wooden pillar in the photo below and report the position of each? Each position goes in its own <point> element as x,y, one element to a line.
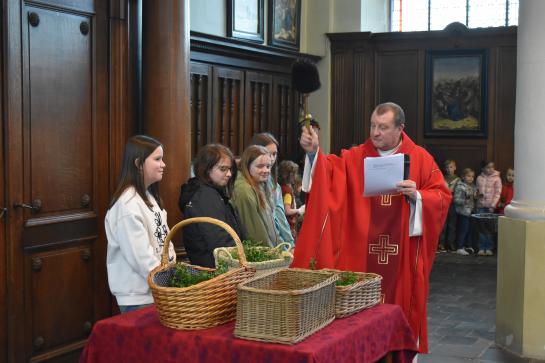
<point>165,91</point>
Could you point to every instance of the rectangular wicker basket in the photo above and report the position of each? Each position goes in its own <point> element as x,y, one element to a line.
<point>285,306</point>
<point>364,293</point>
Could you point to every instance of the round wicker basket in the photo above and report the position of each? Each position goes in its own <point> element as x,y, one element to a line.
<point>206,304</point>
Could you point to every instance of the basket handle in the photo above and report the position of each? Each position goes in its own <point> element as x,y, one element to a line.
<point>223,250</point>
<point>280,245</point>
<point>217,222</point>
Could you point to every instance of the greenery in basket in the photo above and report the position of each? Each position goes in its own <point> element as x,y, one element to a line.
<point>257,253</point>
<point>182,277</point>
<point>347,278</point>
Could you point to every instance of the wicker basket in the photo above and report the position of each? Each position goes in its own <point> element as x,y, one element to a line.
<point>285,306</point>
<point>200,306</point>
<point>224,254</point>
<point>363,294</point>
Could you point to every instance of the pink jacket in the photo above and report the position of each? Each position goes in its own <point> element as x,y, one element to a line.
<point>490,187</point>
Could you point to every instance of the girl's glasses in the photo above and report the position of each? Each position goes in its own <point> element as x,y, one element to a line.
<point>223,168</point>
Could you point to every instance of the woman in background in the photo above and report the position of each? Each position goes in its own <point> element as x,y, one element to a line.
<point>208,195</point>
<point>136,224</point>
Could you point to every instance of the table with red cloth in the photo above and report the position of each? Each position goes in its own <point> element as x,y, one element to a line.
<point>138,336</point>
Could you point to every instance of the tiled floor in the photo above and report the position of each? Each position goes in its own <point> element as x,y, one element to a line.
<point>462,312</point>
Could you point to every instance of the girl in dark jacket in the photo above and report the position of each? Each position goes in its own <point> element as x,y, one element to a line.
<point>207,195</point>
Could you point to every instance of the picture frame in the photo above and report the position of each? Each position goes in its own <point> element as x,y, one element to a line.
<point>284,23</point>
<point>456,93</point>
<point>245,20</point>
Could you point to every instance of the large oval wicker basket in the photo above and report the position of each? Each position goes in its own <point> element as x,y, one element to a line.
<point>200,306</point>
<point>286,257</point>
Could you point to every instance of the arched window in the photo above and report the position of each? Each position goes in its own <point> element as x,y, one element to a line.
<point>419,15</point>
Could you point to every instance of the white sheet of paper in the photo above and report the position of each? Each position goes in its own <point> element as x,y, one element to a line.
<point>381,174</point>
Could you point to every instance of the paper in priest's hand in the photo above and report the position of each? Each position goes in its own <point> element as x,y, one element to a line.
<point>381,174</point>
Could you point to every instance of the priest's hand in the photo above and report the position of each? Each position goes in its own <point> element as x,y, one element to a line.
<point>407,188</point>
<point>309,140</point>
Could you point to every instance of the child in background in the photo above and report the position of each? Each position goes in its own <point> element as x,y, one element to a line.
<point>465,194</point>
<point>287,173</point>
<point>447,239</point>
<point>489,185</point>
<point>506,190</point>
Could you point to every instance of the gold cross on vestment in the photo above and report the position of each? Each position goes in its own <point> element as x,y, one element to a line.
<point>383,249</point>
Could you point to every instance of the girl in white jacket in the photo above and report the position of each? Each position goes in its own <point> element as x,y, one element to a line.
<point>136,224</point>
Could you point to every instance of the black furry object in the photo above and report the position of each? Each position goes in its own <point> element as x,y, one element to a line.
<point>304,76</point>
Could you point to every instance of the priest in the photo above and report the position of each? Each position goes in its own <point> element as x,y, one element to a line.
<point>392,235</point>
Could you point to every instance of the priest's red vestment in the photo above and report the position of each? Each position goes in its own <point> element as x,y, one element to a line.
<point>343,229</point>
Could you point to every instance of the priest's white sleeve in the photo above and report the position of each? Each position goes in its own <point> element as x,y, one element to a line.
<point>415,221</point>
<point>308,171</point>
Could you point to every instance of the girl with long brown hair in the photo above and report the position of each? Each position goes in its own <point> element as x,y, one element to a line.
<point>136,224</point>
<point>251,196</point>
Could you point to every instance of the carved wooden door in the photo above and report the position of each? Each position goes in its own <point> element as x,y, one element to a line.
<point>57,176</point>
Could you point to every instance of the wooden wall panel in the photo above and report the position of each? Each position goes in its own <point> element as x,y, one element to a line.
<point>397,80</point>
<point>395,62</point>
<point>466,156</point>
<point>69,319</point>
<point>200,104</point>
<point>284,112</point>
<point>504,139</point>
<point>228,108</point>
<point>362,86</point>
<point>342,104</point>
<point>62,183</point>
<point>257,105</point>
<point>250,91</point>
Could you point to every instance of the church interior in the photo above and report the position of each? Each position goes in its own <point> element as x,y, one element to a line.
<point>194,72</point>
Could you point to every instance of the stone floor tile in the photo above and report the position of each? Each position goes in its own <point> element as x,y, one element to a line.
<point>498,355</point>
<point>462,312</point>
<point>433,358</point>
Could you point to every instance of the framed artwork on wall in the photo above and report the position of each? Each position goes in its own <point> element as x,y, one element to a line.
<point>284,23</point>
<point>456,93</point>
<point>245,20</point>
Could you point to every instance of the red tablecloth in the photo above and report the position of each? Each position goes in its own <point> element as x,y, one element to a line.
<point>139,337</point>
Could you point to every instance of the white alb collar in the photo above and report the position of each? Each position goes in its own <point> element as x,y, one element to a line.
<point>391,151</point>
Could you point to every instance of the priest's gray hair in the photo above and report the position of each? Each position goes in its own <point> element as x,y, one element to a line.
<point>399,115</point>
